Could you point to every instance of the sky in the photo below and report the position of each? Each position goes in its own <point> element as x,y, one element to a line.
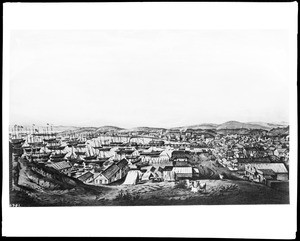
<point>157,78</point>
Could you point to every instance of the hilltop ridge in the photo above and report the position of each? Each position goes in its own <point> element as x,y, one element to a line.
<point>204,126</point>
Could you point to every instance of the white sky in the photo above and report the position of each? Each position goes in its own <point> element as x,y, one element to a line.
<point>153,78</point>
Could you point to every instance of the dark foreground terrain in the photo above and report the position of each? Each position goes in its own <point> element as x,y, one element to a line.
<point>37,186</point>
<point>218,192</point>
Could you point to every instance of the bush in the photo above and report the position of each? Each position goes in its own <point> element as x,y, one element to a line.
<point>181,185</point>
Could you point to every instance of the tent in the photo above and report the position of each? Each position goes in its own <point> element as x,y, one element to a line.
<point>132,177</point>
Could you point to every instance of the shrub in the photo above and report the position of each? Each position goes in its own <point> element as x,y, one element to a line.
<point>181,185</point>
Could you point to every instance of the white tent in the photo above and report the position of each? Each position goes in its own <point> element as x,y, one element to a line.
<point>132,177</point>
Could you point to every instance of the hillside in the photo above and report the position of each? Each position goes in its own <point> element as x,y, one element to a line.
<point>108,129</point>
<point>80,130</point>
<point>202,126</point>
<point>241,125</point>
<point>205,126</point>
<point>269,125</point>
<point>235,125</point>
<point>44,186</point>
<point>146,129</point>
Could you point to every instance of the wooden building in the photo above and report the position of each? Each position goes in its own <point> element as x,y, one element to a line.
<point>86,177</point>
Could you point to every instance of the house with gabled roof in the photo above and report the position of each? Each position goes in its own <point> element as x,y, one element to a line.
<point>276,170</point>
<point>107,176</point>
<point>113,173</point>
<point>86,177</point>
<point>63,167</point>
<point>123,168</point>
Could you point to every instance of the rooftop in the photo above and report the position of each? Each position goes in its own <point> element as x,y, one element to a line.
<point>60,165</point>
<point>85,176</point>
<point>275,167</point>
<point>110,171</point>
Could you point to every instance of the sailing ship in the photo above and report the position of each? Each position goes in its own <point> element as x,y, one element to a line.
<point>90,154</point>
<point>57,156</point>
<point>81,141</point>
<point>31,149</point>
<point>50,135</point>
<point>97,144</point>
<point>36,154</point>
<point>39,156</point>
<point>15,137</point>
<point>102,157</point>
<point>55,147</point>
<point>151,153</point>
<point>104,146</point>
<point>35,141</point>
<point>125,151</point>
<point>79,150</point>
<point>74,158</point>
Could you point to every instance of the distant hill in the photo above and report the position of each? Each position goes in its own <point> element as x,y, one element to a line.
<point>204,126</point>
<point>235,125</point>
<point>83,130</point>
<point>240,125</point>
<point>80,130</point>
<point>64,128</point>
<point>108,129</point>
<point>146,129</point>
<point>269,125</point>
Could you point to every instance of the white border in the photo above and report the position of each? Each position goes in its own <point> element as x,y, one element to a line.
<point>255,221</point>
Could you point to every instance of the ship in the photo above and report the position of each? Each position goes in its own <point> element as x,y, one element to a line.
<point>102,157</point>
<point>55,146</point>
<point>97,144</point>
<point>31,149</point>
<point>72,142</point>
<point>103,148</point>
<point>79,150</point>
<point>151,153</point>
<point>125,151</point>
<point>90,155</point>
<point>38,155</point>
<point>81,141</point>
<point>15,136</point>
<point>116,143</point>
<point>57,155</point>
<point>73,157</point>
<point>50,135</point>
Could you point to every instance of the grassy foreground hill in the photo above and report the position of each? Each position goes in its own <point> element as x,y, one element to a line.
<point>38,186</point>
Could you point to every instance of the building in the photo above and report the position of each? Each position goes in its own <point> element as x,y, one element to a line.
<point>63,167</point>
<point>86,177</point>
<point>147,176</point>
<point>123,168</point>
<point>241,162</point>
<point>183,172</point>
<point>263,171</point>
<point>156,143</point>
<point>132,177</point>
<point>113,173</point>
<point>181,164</point>
<point>180,154</point>
<point>168,174</point>
<point>109,175</point>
